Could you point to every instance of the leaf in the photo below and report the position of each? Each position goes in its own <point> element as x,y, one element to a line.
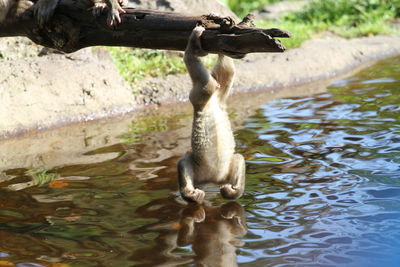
<point>176,226</point>
<point>6,263</point>
<point>58,264</point>
<point>58,184</point>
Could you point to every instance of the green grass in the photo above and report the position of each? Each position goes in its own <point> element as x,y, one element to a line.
<point>140,127</point>
<point>346,18</point>
<point>348,13</point>
<point>42,176</point>
<point>135,64</point>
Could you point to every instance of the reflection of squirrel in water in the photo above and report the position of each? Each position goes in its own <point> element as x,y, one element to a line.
<point>212,231</point>
<point>213,158</point>
<point>11,10</point>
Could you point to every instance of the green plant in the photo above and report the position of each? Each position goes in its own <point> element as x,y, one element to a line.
<point>134,63</point>
<point>347,18</point>
<point>140,127</point>
<point>347,13</point>
<point>41,176</point>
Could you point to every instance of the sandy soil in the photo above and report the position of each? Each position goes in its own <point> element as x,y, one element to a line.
<point>41,89</point>
<point>38,92</point>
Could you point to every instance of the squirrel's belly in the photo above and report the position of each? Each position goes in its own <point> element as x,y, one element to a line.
<point>212,141</point>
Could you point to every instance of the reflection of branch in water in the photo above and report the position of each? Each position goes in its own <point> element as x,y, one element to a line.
<point>212,232</point>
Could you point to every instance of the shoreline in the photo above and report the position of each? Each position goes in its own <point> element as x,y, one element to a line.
<point>316,61</point>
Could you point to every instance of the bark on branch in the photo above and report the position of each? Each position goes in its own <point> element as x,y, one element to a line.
<point>74,27</point>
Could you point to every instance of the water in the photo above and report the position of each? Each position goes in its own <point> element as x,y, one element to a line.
<point>323,189</point>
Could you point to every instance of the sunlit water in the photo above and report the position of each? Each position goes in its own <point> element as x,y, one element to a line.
<point>323,189</point>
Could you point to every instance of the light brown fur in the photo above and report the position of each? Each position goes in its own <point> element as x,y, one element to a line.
<point>213,158</point>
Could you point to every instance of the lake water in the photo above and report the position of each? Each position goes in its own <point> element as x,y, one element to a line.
<point>322,189</point>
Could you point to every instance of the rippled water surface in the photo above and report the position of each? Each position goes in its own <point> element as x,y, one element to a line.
<point>323,189</point>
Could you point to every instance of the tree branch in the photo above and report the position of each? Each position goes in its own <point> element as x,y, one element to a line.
<point>74,27</point>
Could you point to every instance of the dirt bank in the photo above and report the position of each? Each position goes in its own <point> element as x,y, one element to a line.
<point>39,92</point>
